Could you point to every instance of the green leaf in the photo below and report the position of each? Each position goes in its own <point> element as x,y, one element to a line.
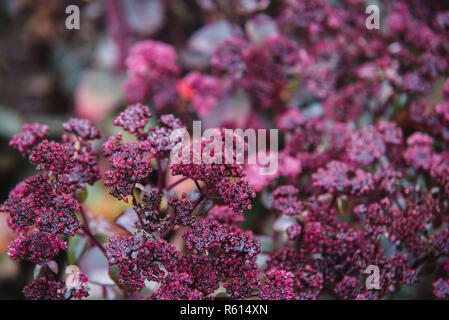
<point>137,192</point>
<point>76,247</point>
<point>101,237</point>
<point>82,195</point>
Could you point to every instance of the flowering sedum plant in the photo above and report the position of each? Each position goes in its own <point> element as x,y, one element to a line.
<point>363,178</point>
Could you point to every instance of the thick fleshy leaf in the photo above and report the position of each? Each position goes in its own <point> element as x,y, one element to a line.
<point>250,6</point>
<point>37,273</point>
<point>75,249</point>
<point>145,16</point>
<point>95,265</point>
<point>262,260</point>
<point>204,41</point>
<point>234,109</point>
<point>267,199</point>
<point>204,207</point>
<point>127,220</point>
<point>266,243</point>
<point>260,28</point>
<point>9,122</point>
<point>283,222</point>
<point>53,265</point>
<point>194,195</point>
<point>388,246</point>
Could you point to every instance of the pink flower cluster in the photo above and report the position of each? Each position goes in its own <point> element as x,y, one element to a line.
<point>364,163</point>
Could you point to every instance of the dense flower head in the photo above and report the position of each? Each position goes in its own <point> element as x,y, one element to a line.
<point>205,272</point>
<point>366,145</point>
<point>36,247</point>
<point>286,202</point>
<point>263,77</point>
<point>237,194</point>
<point>308,283</point>
<point>201,90</point>
<point>294,231</point>
<point>81,168</point>
<point>159,137</point>
<point>419,151</point>
<point>228,57</point>
<point>440,242</point>
<point>226,180</point>
<point>391,133</point>
<point>334,178</point>
<point>283,50</point>
<point>131,161</point>
<point>286,258</point>
<point>441,289</point>
<point>242,287</point>
<point>224,215</point>
<point>148,212</point>
<point>376,217</point>
<point>71,162</point>
<point>129,165</point>
<point>348,287</point>
<point>204,235</point>
<point>44,289</point>
<point>209,158</point>
<point>152,69</point>
<point>82,128</point>
<point>37,202</point>
<point>22,203</point>
<point>183,208</point>
<point>151,60</point>
<point>51,156</point>
<point>241,243</point>
<point>59,216</point>
<point>139,259</point>
<point>177,286</point>
<point>278,286</point>
<point>134,118</point>
<point>362,182</point>
<point>30,136</point>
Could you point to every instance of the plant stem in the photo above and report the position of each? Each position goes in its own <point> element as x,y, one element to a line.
<point>174,184</point>
<point>199,188</point>
<point>160,176</point>
<point>89,234</point>
<point>169,230</point>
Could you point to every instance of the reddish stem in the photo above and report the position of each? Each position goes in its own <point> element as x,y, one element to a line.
<point>160,176</point>
<point>174,184</point>
<point>89,234</point>
<point>119,30</point>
